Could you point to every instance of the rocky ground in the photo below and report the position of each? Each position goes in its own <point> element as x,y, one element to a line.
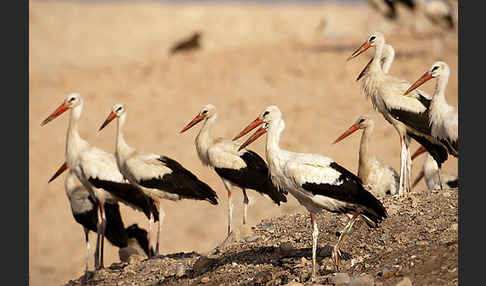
<point>416,245</point>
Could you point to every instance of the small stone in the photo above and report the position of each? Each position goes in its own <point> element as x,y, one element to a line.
<point>180,270</point>
<point>454,227</point>
<point>422,243</point>
<point>363,280</point>
<point>339,279</point>
<point>405,282</point>
<point>205,280</point>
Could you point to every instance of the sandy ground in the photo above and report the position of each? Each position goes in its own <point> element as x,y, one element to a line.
<point>252,56</point>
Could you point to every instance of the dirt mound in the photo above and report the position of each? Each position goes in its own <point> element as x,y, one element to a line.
<point>417,243</point>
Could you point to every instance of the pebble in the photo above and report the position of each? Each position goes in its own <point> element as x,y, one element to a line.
<point>405,282</point>
<point>339,279</point>
<point>454,227</point>
<point>422,243</point>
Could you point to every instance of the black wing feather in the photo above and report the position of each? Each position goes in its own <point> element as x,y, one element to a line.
<point>350,190</point>
<point>254,176</point>
<point>115,229</point>
<point>182,182</point>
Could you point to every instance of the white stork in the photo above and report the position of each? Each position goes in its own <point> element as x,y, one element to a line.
<point>388,9</point>
<point>433,178</point>
<point>97,169</point>
<point>443,118</point>
<point>386,61</point>
<point>244,169</point>
<point>317,182</point>
<point>159,177</point>
<point>378,177</point>
<point>407,114</point>
<point>84,209</point>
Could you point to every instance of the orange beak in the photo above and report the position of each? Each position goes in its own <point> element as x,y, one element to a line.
<point>257,122</point>
<point>363,72</point>
<point>347,133</point>
<point>58,172</point>
<point>425,77</point>
<point>260,131</point>
<point>108,120</point>
<point>194,121</point>
<point>418,152</point>
<point>60,110</point>
<point>360,50</point>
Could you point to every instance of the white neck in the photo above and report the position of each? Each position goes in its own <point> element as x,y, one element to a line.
<point>439,105</point>
<point>365,157</point>
<point>74,143</point>
<point>272,148</point>
<point>122,148</point>
<point>204,139</point>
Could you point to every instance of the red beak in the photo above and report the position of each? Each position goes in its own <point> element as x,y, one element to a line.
<point>418,152</point>
<point>257,122</point>
<point>108,120</point>
<point>58,172</point>
<point>363,72</point>
<point>360,50</point>
<point>425,77</point>
<point>260,131</point>
<point>60,110</point>
<point>347,133</point>
<point>194,121</point>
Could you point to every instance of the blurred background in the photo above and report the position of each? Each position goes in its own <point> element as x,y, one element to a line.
<point>246,56</point>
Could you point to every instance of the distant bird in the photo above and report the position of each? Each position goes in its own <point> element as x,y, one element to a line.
<point>317,182</point>
<point>377,177</point>
<point>407,114</point>
<point>438,12</point>
<point>97,169</point>
<point>388,8</point>
<point>244,169</point>
<point>191,43</point>
<point>443,118</point>
<point>430,171</point>
<point>84,209</point>
<point>159,177</point>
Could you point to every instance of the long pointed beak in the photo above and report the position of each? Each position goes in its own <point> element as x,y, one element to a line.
<point>425,77</point>
<point>363,72</point>
<point>58,172</point>
<point>347,133</point>
<point>60,110</point>
<point>194,121</point>
<point>257,122</point>
<point>260,131</point>
<point>419,177</point>
<point>418,152</point>
<point>108,120</point>
<point>360,50</point>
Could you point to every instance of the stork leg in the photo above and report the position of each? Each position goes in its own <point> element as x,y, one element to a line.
<point>103,228</point>
<point>230,206</point>
<point>315,234</point>
<point>86,236</point>
<point>245,205</point>
<point>161,219</point>
<point>409,164</point>
<point>336,253</point>
<point>402,167</point>
<point>151,222</point>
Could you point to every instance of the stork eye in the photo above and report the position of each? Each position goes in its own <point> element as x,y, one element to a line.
<point>435,68</point>
<point>265,113</point>
<point>119,109</point>
<point>72,99</point>
<point>372,38</point>
<point>204,112</point>
<point>361,120</point>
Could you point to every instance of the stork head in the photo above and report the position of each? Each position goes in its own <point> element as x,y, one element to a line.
<point>71,101</point>
<point>438,69</point>
<point>206,112</point>
<point>363,122</point>
<point>117,111</point>
<point>374,39</point>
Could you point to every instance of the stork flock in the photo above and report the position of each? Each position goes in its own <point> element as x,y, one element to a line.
<point>98,181</point>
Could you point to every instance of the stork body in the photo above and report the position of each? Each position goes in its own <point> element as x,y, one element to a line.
<point>244,169</point>
<point>84,209</point>
<point>97,170</point>
<point>317,182</point>
<point>443,118</point>
<point>378,177</point>
<point>434,179</point>
<point>408,114</point>
<point>159,177</point>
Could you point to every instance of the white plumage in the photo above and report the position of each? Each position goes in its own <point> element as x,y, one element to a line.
<point>237,168</point>
<point>316,181</point>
